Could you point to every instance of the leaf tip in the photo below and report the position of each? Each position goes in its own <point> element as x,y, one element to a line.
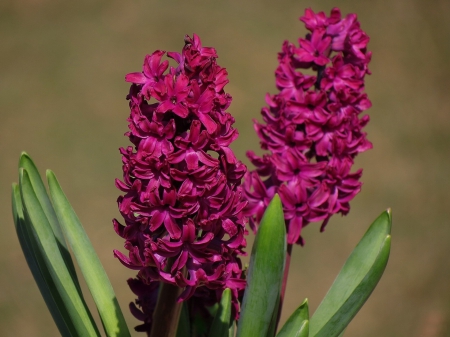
<point>23,154</point>
<point>226,295</point>
<point>24,157</point>
<point>275,205</point>
<point>304,303</point>
<point>51,177</point>
<point>389,214</point>
<point>276,200</point>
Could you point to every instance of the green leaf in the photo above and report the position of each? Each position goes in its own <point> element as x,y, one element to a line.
<point>184,325</point>
<point>356,281</point>
<point>265,273</point>
<point>274,321</point>
<point>304,330</point>
<point>298,324</point>
<point>232,329</point>
<point>34,259</point>
<point>199,325</point>
<point>221,323</point>
<point>90,265</point>
<point>213,309</point>
<point>27,163</point>
<point>53,261</point>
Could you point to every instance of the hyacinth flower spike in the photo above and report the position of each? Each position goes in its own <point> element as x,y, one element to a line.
<point>182,203</point>
<point>313,127</point>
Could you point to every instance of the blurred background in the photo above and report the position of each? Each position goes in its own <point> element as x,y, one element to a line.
<point>62,99</point>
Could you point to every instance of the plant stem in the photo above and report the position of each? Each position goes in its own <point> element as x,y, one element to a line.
<point>167,311</point>
<point>284,284</point>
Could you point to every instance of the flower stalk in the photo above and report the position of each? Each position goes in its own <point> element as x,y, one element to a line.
<point>168,309</point>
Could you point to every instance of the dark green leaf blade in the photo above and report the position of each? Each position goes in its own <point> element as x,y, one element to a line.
<point>356,280</point>
<point>274,321</point>
<point>184,325</point>
<point>27,163</point>
<point>47,244</point>
<point>265,273</point>
<point>90,265</point>
<point>41,277</point>
<point>221,323</point>
<point>297,324</point>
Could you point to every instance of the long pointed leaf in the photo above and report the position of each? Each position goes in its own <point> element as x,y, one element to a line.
<point>355,282</point>
<point>27,163</point>
<point>265,273</point>
<point>274,321</point>
<point>54,262</point>
<point>232,330</point>
<point>90,265</point>
<point>184,326</point>
<point>221,323</point>
<point>297,325</point>
<point>42,277</point>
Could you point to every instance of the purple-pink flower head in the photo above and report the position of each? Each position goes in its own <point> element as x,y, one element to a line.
<point>313,127</point>
<point>182,198</point>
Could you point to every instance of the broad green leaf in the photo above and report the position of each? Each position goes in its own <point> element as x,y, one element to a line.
<point>356,280</point>
<point>213,309</point>
<point>27,163</point>
<point>90,265</point>
<point>199,325</point>
<point>232,329</point>
<point>221,323</point>
<point>42,277</point>
<point>274,321</point>
<point>184,325</point>
<point>304,330</point>
<point>48,246</point>
<point>265,273</point>
<point>298,324</point>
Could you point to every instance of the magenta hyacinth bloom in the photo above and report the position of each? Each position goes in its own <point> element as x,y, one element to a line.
<point>181,181</point>
<point>313,126</point>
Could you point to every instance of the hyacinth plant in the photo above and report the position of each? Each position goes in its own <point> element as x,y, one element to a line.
<point>186,199</point>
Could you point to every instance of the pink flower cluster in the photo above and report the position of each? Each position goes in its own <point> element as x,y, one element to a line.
<point>313,127</point>
<point>181,181</point>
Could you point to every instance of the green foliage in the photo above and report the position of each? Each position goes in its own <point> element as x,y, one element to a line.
<point>354,284</point>
<point>221,323</point>
<point>37,224</point>
<point>27,164</point>
<point>40,224</point>
<point>298,324</point>
<point>53,261</point>
<point>90,265</point>
<point>184,325</point>
<point>356,280</point>
<point>265,273</point>
<point>42,276</point>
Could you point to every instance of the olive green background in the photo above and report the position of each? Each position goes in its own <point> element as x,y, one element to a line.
<point>62,99</point>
